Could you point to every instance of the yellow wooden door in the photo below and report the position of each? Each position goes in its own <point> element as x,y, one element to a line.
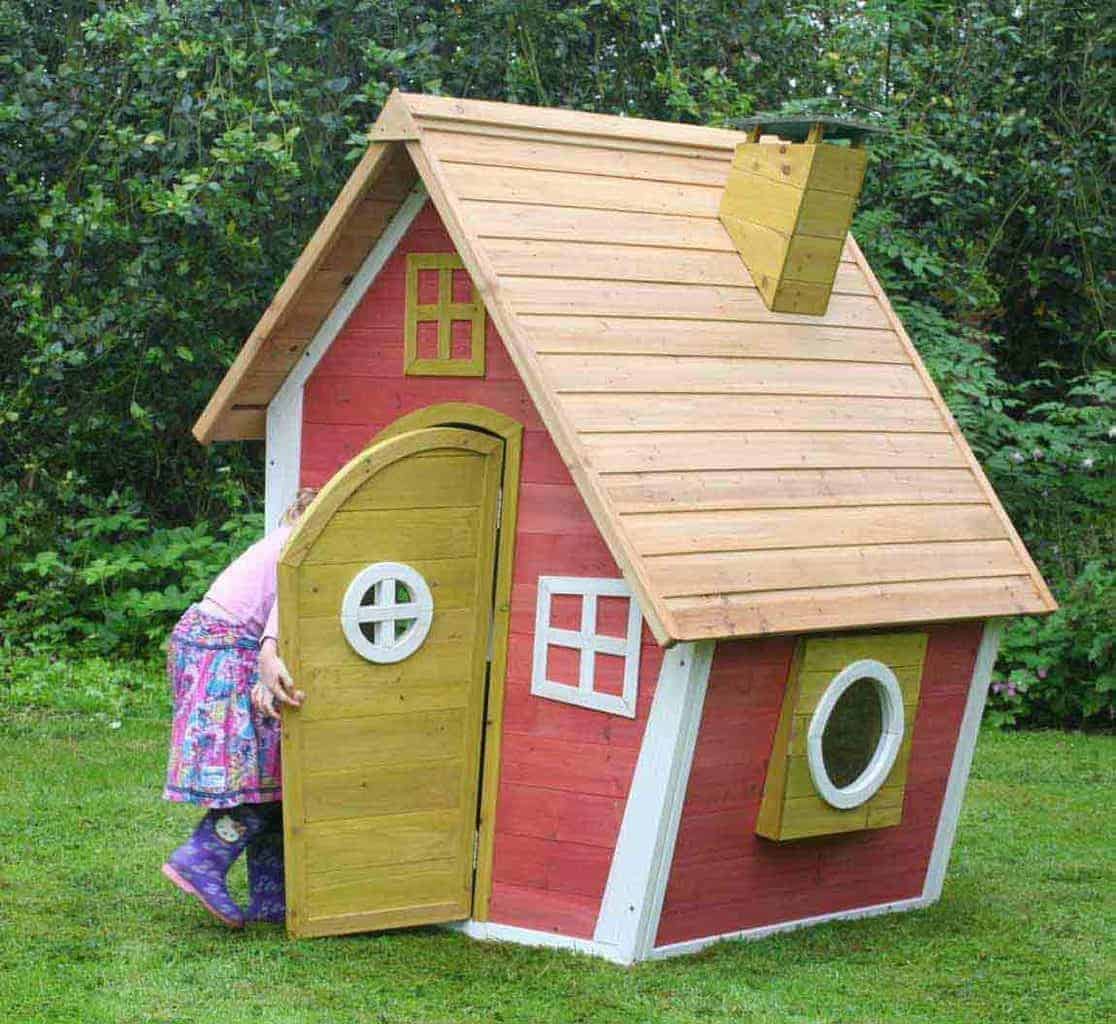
<point>385,600</point>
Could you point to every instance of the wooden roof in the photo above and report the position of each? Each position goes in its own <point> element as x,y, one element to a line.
<point>753,472</point>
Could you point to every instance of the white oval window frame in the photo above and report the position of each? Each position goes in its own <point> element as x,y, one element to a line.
<point>420,609</point>
<point>868,783</point>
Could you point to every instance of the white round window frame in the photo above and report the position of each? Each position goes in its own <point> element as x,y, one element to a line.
<point>422,601</point>
<point>868,783</point>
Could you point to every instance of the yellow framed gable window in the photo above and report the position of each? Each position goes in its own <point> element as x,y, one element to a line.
<point>444,323</point>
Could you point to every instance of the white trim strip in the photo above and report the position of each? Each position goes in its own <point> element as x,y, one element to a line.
<point>490,932</point>
<point>962,760</point>
<point>362,280</point>
<point>750,934</point>
<point>283,454</point>
<point>633,899</point>
<point>284,411</point>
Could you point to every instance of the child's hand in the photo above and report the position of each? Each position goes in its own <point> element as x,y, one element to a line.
<point>275,686</point>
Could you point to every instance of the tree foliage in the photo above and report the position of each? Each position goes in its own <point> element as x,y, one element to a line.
<point>163,164</point>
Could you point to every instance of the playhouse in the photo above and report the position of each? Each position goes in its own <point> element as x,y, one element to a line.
<point>652,592</point>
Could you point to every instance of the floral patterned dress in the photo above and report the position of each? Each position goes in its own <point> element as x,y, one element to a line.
<point>222,752</point>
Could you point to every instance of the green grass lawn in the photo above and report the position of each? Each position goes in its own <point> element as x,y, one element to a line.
<point>90,932</point>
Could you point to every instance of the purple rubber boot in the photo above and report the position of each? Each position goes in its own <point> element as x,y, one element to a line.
<point>201,864</point>
<point>268,902</point>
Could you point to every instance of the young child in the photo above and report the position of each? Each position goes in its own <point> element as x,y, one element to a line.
<point>226,681</point>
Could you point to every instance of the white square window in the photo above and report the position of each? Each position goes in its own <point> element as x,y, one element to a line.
<point>587,640</point>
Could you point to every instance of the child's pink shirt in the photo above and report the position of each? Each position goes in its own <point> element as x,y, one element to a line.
<point>246,589</point>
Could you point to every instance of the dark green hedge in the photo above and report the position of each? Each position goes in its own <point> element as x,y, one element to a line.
<point>163,164</point>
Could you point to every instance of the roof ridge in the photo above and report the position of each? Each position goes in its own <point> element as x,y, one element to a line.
<point>564,120</point>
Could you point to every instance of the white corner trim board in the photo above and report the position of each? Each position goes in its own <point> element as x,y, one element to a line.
<point>284,412</point>
<point>633,898</point>
<point>283,454</point>
<point>962,760</point>
<point>588,642</point>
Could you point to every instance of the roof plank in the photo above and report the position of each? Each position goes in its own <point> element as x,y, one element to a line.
<point>665,533</point>
<point>705,490</point>
<point>538,258</point>
<point>578,156</point>
<point>722,450</point>
<point>757,340</point>
<point>592,372</point>
<point>432,109</point>
<point>299,298</point>
<point>816,567</point>
<point>595,192</point>
<point>590,297</point>
<point>679,413</point>
<point>830,608</point>
<point>500,219</point>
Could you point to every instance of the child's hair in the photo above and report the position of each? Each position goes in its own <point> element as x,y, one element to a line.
<point>301,502</point>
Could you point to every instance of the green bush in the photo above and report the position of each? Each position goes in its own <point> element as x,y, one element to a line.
<point>1061,670</point>
<point>112,583</point>
<point>164,163</point>
<point>1052,458</point>
<point>106,689</point>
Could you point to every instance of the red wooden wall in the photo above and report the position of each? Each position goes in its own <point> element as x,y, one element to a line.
<point>565,771</point>
<point>724,877</point>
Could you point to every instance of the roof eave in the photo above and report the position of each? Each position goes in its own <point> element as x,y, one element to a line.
<point>219,421</point>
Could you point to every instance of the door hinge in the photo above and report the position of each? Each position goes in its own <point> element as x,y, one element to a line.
<point>499,506</point>
<point>476,848</point>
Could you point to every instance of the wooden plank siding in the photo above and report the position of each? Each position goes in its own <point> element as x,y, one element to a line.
<point>725,878</point>
<point>564,770</point>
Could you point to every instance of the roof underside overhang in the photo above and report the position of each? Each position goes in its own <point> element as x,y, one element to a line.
<point>752,472</point>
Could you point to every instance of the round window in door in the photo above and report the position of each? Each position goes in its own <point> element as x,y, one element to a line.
<point>386,612</point>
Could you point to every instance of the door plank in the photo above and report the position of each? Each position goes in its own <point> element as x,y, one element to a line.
<point>324,643</point>
<point>433,682</point>
<point>448,479</point>
<point>382,790</point>
<point>399,533</point>
<point>344,847</point>
<point>450,581</point>
<point>341,744</point>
